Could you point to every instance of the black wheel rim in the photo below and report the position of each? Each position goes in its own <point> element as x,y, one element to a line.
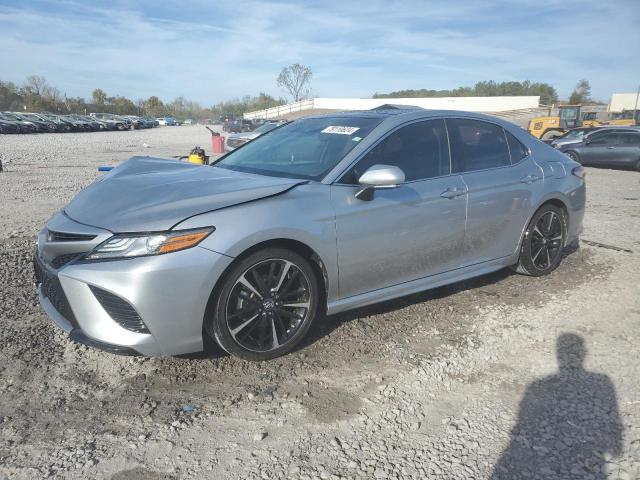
<point>546,241</point>
<point>268,304</point>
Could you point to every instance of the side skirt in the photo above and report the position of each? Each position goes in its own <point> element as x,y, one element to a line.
<point>419,285</point>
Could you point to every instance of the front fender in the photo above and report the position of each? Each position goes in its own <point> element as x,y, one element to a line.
<point>303,214</point>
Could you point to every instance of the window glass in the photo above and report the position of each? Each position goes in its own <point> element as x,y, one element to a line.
<point>476,145</point>
<point>517,149</point>
<point>631,138</point>
<point>609,138</point>
<point>420,150</point>
<point>307,148</point>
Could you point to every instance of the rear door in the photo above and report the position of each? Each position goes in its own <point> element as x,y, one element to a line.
<point>629,149</point>
<point>403,233</point>
<point>501,190</point>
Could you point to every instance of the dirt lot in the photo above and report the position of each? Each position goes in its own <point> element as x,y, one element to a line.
<point>479,380</point>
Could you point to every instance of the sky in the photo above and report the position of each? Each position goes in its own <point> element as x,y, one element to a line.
<point>215,50</point>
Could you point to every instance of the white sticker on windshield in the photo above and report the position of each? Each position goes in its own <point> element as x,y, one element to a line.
<point>356,139</point>
<point>341,130</point>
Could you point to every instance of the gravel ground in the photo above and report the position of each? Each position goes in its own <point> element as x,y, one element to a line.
<point>501,377</point>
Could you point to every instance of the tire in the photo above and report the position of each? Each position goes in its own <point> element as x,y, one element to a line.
<point>573,156</point>
<point>120,127</point>
<point>250,316</point>
<point>542,246</point>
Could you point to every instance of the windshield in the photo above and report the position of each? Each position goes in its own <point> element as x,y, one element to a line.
<point>575,134</point>
<point>307,148</point>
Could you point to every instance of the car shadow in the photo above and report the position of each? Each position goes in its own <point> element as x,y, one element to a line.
<point>568,423</point>
<point>324,325</point>
<point>329,323</point>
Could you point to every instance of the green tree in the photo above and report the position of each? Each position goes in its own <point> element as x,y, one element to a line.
<point>581,94</point>
<point>99,97</point>
<point>488,88</point>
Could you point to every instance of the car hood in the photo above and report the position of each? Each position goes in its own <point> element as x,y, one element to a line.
<point>560,143</point>
<point>147,194</point>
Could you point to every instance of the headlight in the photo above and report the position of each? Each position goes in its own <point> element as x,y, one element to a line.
<point>131,245</point>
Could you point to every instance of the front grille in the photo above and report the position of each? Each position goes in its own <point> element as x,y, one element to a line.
<point>52,290</point>
<point>119,310</point>
<point>61,260</point>
<point>69,237</point>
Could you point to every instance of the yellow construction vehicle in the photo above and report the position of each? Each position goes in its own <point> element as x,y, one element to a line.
<point>625,118</point>
<point>549,127</point>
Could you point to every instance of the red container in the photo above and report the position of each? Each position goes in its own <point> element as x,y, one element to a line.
<point>217,142</point>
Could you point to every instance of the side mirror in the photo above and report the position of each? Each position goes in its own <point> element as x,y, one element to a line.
<point>379,176</point>
<point>587,141</point>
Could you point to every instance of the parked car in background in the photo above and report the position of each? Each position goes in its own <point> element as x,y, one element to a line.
<point>152,121</point>
<point>25,126</point>
<point>121,123</point>
<point>322,215</point>
<point>188,121</point>
<point>607,148</point>
<point>46,124</point>
<point>168,121</point>
<point>61,126</point>
<point>235,140</point>
<point>9,127</point>
<point>39,125</point>
<point>576,135</point>
<point>238,126</point>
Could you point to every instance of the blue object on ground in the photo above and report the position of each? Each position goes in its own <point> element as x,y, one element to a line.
<point>187,409</point>
<point>105,169</point>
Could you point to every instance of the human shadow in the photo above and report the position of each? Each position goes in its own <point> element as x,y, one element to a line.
<point>568,424</point>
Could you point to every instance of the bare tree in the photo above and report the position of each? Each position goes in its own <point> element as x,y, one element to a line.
<point>295,79</point>
<point>36,84</point>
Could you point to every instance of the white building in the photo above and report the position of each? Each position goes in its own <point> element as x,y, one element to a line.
<point>624,101</point>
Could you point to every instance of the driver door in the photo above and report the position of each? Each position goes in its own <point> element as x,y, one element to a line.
<point>403,233</point>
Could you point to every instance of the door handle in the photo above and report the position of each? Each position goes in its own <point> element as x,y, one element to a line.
<point>610,148</point>
<point>529,178</point>
<point>453,192</point>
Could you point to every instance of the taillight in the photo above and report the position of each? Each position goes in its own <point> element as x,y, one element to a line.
<point>579,172</point>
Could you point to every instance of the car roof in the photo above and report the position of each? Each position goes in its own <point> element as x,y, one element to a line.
<point>621,129</point>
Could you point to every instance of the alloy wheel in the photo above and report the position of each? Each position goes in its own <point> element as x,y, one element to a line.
<point>546,240</point>
<point>267,305</point>
<point>573,156</point>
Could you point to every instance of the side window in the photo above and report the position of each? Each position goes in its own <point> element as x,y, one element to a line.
<point>476,145</point>
<point>609,138</point>
<point>420,150</point>
<point>516,148</point>
<point>631,139</point>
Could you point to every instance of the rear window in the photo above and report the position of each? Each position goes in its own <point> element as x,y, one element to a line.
<point>476,145</point>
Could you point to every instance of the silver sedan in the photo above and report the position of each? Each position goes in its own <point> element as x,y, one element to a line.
<point>322,215</point>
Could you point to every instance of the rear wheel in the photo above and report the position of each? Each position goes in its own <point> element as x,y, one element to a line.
<point>266,305</point>
<point>543,242</point>
<point>573,156</point>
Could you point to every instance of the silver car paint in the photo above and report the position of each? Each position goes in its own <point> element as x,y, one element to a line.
<point>405,240</point>
<point>150,194</point>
